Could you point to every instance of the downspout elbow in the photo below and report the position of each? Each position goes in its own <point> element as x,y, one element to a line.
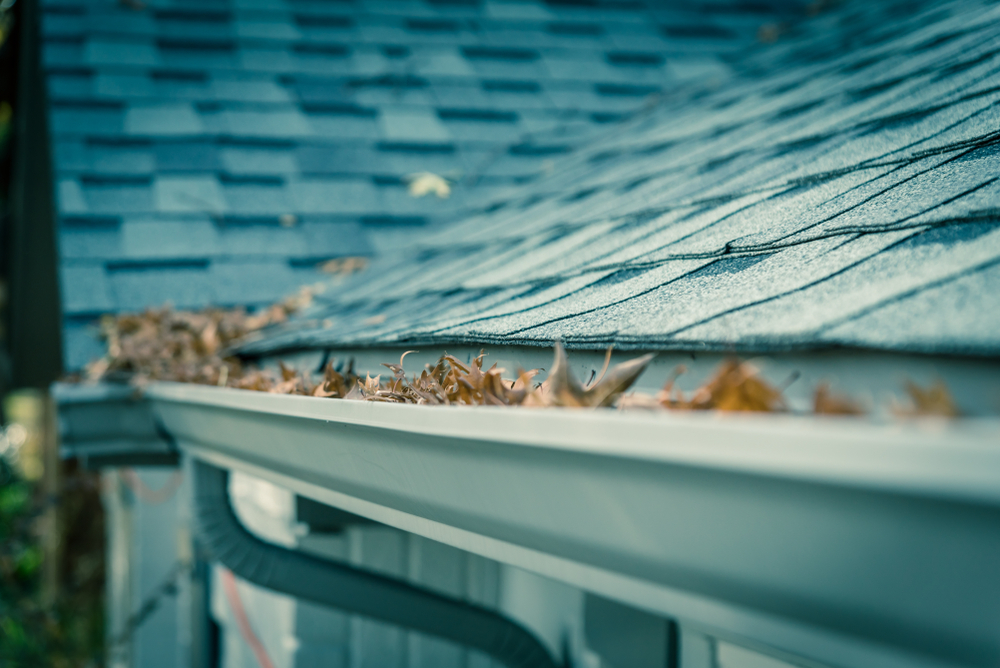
<point>352,589</point>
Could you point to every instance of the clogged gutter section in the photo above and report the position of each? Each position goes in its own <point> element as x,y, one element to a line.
<point>162,344</point>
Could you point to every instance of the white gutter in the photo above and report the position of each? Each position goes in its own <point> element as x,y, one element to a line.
<point>838,540</point>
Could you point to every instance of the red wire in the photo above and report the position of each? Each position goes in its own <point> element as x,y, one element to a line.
<point>242,621</point>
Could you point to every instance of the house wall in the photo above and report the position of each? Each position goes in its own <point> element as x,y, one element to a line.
<point>145,546</point>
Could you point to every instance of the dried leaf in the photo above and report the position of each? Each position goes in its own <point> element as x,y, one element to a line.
<point>343,265</point>
<point>562,388</point>
<point>425,183</point>
<point>397,369</point>
<point>163,344</point>
<point>618,380</point>
<point>936,400</point>
<point>604,369</point>
<point>736,386</point>
<point>287,374</point>
<point>827,403</point>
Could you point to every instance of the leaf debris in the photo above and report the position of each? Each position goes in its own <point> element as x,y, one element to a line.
<point>562,388</point>
<point>184,346</point>
<point>736,386</point>
<point>934,401</point>
<point>425,183</point>
<point>826,402</point>
<point>343,266</point>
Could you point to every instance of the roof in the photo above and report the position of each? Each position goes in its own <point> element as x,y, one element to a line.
<point>841,190</point>
<point>216,152</point>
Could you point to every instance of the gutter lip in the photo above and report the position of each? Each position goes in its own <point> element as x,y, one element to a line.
<point>958,460</point>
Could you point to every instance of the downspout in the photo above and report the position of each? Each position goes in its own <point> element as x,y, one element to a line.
<point>353,589</point>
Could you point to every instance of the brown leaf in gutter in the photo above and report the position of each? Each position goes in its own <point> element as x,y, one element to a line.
<point>826,402</point>
<point>367,389</point>
<point>450,381</point>
<point>936,400</point>
<point>286,373</point>
<point>619,379</point>
<point>398,374</point>
<point>736,386</point>
<point>162,344</point>
<point>256,380</point>
<point>562,388</point>
<point>670,396</point>
<point>335,384</point>
<point>184,346</point>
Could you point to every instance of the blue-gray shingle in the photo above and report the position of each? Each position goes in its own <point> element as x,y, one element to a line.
<point>184,135</point>
<point>825,197</point>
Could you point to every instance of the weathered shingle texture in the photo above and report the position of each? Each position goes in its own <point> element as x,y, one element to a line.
<point>842,189</point>
<point>185,133</point>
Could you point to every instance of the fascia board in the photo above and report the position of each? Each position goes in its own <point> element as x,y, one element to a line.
<point>839,540</point>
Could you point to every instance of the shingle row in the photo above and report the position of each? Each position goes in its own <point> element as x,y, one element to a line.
<point>216,152</point>
<point>829,196</point>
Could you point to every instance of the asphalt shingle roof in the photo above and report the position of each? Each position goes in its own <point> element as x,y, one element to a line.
<point>185,133</point>
<point>842,189</point>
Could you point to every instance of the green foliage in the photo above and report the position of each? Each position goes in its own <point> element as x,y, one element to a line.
<point>68,633</point>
